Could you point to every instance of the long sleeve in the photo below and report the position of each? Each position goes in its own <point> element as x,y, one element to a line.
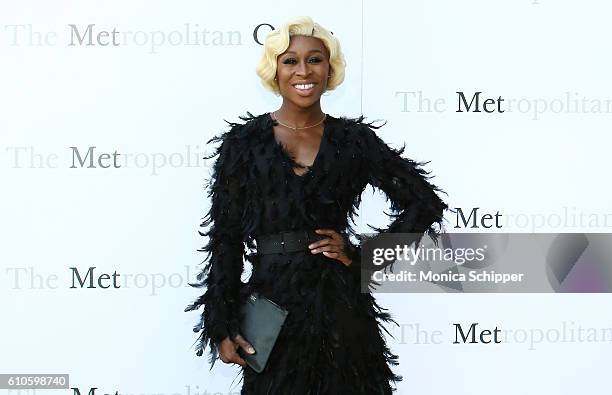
<point>225,250</point>
<point>415,206</point>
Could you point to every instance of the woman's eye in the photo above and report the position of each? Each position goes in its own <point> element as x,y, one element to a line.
<point>292,60</point>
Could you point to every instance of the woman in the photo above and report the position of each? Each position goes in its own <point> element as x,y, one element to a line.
<point>300,171</point>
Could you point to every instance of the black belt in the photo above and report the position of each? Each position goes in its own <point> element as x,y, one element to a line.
<point>289,241</point>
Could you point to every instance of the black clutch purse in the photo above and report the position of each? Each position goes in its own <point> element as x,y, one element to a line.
<point>260,323</point>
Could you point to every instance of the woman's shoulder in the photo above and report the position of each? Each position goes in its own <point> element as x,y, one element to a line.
<point>358,127</point>
<point>242,131</point>
<point>358,121</point>
<point>249,123</point>
<point>237,138</point>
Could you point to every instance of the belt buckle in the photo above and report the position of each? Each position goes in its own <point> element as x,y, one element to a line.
<point>283,241</point>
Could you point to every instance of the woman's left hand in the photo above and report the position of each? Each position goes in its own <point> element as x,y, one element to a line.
<point>332,247</point>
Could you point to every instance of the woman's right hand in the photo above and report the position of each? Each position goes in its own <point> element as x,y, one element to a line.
<point>228,350</point>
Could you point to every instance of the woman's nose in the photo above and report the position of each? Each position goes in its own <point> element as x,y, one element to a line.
<point>302,68</point>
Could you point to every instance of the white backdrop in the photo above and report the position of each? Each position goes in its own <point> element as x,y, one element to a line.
<point>159,95</point>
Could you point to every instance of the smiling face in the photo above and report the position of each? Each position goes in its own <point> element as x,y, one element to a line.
<point>302,71</point>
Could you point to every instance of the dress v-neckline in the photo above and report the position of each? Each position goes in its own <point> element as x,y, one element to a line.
<point>293,164</point>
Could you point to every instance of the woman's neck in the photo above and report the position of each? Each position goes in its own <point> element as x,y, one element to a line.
<point>299,116</point>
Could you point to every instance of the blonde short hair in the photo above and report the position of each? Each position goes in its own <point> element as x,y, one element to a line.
<point>277,42</point>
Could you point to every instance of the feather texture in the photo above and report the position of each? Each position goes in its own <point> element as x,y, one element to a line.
<point>332,341</point>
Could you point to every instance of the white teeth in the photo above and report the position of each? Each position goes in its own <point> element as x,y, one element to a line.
<point>304,86</point>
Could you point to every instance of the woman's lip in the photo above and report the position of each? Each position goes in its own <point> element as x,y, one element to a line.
<point>305,92</point>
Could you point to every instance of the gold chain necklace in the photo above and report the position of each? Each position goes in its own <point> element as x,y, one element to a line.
<point>296,128</point>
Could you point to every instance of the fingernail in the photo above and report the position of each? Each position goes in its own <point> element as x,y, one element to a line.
<point>251,350</point>
<point>310,246</point>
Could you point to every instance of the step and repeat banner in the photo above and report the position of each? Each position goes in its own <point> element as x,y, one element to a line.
<point>105,111</point>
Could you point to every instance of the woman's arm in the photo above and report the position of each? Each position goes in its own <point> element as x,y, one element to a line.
<point>415,206</point>
<point>225,250</point>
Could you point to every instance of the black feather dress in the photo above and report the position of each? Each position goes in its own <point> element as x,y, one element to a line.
<point>332,341</point>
